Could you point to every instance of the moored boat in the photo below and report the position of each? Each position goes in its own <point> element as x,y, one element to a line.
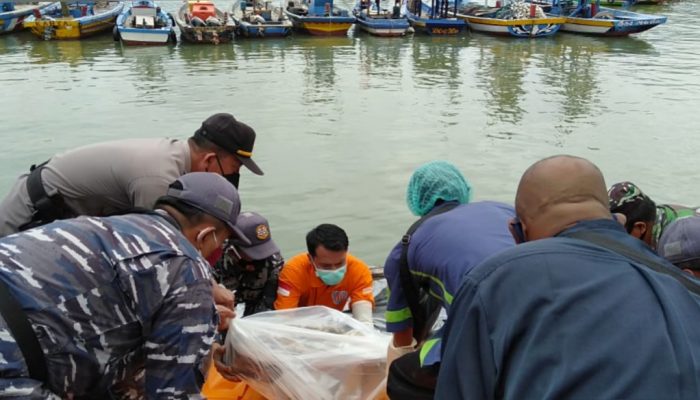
<point>516,19</point>
<point>592,19</point>
<point>77,20</point>
<point>260,19</point>
<point>143,22</point>
<point>320,17</point>
<point>12,14</point>
<point>377,21</point>
<point>203,22</point>
<point>436,18</point>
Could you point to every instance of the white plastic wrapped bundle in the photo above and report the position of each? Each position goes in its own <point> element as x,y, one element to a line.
<point>307,353</point>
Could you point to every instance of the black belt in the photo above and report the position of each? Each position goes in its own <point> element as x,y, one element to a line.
<point>21,330</point>
<point>46,208</point>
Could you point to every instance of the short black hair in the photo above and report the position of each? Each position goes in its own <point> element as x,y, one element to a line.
<point>640,211</point>
<point>329,236</point>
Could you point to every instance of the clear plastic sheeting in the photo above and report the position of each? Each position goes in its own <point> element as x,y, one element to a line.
<point>308,353</point>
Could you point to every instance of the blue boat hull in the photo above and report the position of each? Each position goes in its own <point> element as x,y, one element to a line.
<point>11,21</point>
<point>426,23</point>
<point>267,29</point>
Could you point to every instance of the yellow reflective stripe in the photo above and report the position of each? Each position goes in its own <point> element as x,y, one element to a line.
<point>427,346</point>
<point>446,294</point>
<point>244,153</point>
<point>435,295</point>
<point>398,316</point>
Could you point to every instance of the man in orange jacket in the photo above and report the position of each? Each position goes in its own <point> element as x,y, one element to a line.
<point>327,276</point>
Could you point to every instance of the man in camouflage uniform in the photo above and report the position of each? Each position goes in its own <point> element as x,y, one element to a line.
<point>252,270</point>
<point>118,306</point>
<point>646,220</point>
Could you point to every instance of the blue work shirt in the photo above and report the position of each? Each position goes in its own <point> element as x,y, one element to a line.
<point>441,251</point>
<point>561,318</point>
<point>121,304</point>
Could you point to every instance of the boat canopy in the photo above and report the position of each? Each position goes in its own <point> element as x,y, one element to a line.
<point>321,7</point>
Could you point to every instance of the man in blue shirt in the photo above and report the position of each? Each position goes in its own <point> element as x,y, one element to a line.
<point>452,240</point>
<point>562,317</point>
<point>115,307</point>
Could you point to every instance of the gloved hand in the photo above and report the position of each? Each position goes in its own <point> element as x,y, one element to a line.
<point>394,352</point>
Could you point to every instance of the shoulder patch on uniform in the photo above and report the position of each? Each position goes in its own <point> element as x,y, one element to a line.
<point>284,289</point>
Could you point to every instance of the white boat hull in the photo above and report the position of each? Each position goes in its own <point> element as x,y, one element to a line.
<point>138,36</point>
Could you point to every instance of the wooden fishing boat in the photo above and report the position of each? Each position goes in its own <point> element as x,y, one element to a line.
<point>203,22</point>
<point>592,19</point>
<point>320,17</point>
<point>143,22</point>
<point>516,19</point>
<point>377,21</point>
<point>76,21</point>
<point>436,18</point>
<point>12,14</point>
<point>260,19</point>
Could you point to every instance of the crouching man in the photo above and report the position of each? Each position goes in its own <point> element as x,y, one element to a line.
<point>327,276</point>
<point>119,306</point>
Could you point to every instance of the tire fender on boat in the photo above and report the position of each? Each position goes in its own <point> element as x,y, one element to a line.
<point>115,34</point>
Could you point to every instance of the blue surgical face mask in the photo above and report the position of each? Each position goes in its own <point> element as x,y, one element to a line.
<point>333,277</point>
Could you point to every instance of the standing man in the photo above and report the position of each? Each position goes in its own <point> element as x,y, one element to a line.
<point>251,270</point>
<point>112,177</point>
<point>450,239</point>
<point>327,276</point>
<point>118,306</point>
<point>580,310</point>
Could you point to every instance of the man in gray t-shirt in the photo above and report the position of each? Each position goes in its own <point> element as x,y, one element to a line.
<point>112,177</point>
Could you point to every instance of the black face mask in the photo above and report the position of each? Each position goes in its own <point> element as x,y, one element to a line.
<point>233,178</point>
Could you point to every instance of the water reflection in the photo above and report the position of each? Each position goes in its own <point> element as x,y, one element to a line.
<point>436,61</point>
<point>13,42</point>
<point>72,52</point>
<point>148,66</point>
<point>319,71</point>
<point>205,57</point>
<point>380,63</point>
<point>501,66</point>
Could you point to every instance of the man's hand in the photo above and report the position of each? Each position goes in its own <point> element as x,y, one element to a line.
<point>242,367</point>
<point>227,372</point>
<point>225,317</point>
<point>222,296</point>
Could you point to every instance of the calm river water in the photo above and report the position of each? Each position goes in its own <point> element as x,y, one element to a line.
<point>342,122</point>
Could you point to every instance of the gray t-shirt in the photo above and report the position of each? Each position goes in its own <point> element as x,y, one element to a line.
<point>103,178</point>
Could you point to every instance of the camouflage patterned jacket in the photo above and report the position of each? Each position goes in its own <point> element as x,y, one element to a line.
<point>122,306</point>
<point>255,283</point>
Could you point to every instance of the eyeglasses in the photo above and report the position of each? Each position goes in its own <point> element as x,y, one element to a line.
<point>518,230</point>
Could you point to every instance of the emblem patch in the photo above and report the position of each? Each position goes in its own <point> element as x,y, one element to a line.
<point>339,296</point>
<point>261,232</point>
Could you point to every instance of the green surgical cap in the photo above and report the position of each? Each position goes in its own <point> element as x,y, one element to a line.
<point>436,180</point>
